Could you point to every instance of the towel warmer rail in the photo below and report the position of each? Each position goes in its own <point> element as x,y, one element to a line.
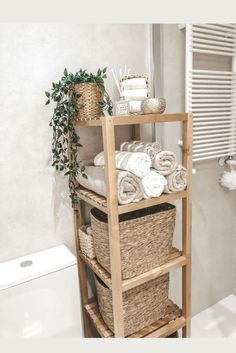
<point>210,94</point>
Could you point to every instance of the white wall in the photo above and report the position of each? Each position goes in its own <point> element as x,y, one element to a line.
<point>35,209</point>
<point>214,208</point>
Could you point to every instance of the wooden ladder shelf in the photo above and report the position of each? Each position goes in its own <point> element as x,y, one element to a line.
<point>175,318</point>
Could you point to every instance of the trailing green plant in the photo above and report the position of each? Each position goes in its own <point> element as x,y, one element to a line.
<point>65,138</point>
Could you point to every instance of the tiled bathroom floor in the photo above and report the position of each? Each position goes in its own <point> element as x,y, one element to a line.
<point>218,320</point>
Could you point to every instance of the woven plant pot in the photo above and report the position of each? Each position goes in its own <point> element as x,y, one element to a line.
<point>91,95</point>
<point>145,238</point>
<point>142,305</point>
<point>86,243</point>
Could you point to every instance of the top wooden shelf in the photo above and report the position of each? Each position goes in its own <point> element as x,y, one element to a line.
<point>135,119</point>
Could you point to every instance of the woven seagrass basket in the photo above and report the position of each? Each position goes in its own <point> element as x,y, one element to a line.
<point>91,95</point>
<point>145,238</point>
<point>142,305</point>
<point>86,243</point>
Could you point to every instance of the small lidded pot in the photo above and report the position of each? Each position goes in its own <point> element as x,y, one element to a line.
<point>153,106</point>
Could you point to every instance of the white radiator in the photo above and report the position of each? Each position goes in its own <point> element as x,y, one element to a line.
<point>211,95</point>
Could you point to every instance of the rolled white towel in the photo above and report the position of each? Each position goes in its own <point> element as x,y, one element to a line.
<point>156,145</point>
<point>135,94</point>
<point>153,184</point>
<point>135,106</point>
<point>176,181</point>
<point>131,83</point>
<point>138,146</point>
<point>129,188</point>
<point>138,163</point>
<point>165,162</point>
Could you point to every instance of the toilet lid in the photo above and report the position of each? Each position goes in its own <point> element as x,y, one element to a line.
<point>29,267</point>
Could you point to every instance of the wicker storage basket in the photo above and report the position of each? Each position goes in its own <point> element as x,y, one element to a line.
<point>142,305</point>
<point>145,238</point>
<point>91,95</point>
<point>86,243</point>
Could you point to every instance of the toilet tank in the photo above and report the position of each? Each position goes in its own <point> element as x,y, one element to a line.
<point>39,295</point>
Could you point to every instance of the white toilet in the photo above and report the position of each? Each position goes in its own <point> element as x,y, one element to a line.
<point>39,295</point>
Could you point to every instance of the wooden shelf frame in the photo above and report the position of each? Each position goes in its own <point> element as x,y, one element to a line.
<point>170,323</point>
<point>111,207</point>
<point>100,202</point>
<point>176,260</point>
<point>135,119</point>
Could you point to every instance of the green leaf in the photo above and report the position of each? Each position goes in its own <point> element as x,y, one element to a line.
<point>63,120</point>
<point>48,101</point>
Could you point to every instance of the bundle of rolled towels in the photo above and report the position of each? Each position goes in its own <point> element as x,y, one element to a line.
<point>134,90</point>
<point>143,170</point>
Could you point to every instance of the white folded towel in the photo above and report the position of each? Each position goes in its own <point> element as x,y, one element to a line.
<point>176,181</point>
<point>138,163</point>
<point>135,106</point>
<point>153,184</point>
<point>135,94</point>
<point>164,162</point>
<point>131,83</point>
<point>129,188</point>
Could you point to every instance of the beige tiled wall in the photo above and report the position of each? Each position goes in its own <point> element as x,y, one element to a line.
<point>35,211</point>
<point>213,208</point>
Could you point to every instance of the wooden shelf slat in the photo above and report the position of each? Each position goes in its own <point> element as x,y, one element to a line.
<point>168,329</point>
<point>97,268</point>
<point>175,260</point>
<point>171,322</point>
<point>136,119</point>
<point>93,199</point>
<point>154,273</point>
<point>100,202</point>
<point>152,202</point>
<point>149,118</point>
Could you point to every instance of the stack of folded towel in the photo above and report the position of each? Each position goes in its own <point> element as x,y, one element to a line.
<point>142,171</point>
<point>134,90</point>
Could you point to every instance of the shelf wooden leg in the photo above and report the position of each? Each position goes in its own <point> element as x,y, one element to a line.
<point>82,272</point>
<point>136,132</point>
<point>187,227</point>
<point>113,224</point>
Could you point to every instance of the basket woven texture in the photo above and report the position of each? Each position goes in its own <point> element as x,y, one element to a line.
<point>142,305</point>
<point>145,238</point>
<point>86,243</point>
<point>91,95</point>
